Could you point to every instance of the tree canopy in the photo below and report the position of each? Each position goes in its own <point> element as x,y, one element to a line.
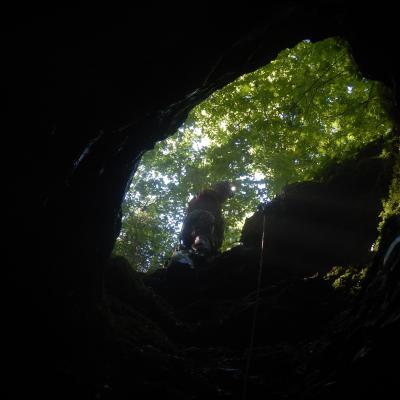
<point>280,124</point>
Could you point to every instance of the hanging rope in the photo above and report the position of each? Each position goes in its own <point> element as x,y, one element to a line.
<point>253,327</point>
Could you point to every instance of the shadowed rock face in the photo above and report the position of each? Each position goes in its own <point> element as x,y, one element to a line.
<point>311,341</point>
<point>87,90</point>
<point>313,226</point>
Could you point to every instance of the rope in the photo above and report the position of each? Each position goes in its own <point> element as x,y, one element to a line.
<point>253,328</point>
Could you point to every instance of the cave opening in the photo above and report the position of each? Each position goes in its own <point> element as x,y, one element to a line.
<point>87,90</point>
<point>312,138</point>
<point>289,121</point>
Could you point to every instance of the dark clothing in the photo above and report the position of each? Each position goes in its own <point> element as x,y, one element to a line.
<point>210,202</point>
<point>198,223</point>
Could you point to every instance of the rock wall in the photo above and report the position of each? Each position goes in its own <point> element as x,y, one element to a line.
<point>87,90</point>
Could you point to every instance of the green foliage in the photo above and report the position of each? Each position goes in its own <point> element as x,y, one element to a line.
<point>391,205</point>
<point>280,124</point>
<point>144,237</point>
<point>346,279</point>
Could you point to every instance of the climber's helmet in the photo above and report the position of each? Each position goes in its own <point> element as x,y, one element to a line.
<point>225,189</point>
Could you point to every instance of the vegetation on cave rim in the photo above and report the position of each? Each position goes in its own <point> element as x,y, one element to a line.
<point>283,123</point>
<point>391,205</point>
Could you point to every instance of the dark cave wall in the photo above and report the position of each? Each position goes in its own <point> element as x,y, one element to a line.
<point>87,90</point>
<point>90,89</point>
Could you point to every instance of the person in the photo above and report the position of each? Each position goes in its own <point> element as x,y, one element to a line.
<point>203,226</point>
